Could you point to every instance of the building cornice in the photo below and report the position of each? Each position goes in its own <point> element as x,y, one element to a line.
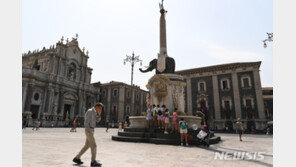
<point>222,67</point>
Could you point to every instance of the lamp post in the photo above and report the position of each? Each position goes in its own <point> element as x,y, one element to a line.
<point>133,60</point>
<point>269,39</point>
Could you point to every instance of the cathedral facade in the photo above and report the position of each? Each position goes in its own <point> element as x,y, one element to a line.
<point>56,84</point>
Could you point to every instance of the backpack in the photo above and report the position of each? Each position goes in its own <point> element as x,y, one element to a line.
<point>183,125</point>
<point>159,112</point>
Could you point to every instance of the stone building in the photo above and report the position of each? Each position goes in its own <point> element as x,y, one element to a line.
<point>226,92</point>
<point>121,100</point>
<point>56,84</point>
<point>268,102</point>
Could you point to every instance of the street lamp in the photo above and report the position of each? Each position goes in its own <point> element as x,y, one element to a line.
<point>269,39</point>
<point>132,59</point>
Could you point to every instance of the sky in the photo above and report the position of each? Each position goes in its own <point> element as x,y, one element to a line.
<point>199,33</point>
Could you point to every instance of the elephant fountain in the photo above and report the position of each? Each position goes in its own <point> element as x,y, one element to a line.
<point>169,66</point>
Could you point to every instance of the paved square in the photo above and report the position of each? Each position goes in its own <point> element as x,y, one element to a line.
<point>57,147</point>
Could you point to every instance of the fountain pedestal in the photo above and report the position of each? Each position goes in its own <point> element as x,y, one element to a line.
<point>167,89</point>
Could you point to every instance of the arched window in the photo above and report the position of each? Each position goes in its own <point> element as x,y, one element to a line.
<point>115,92</point>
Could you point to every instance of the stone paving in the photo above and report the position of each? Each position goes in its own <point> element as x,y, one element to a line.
<point>58,146</point>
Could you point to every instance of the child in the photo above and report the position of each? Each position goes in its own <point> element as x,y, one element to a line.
<point>175,122</point>
<point>125,124</point>
<point>155,109</point>
<point>167,120</point>
<point>149,117</point>
<point>160,116</point>
<point>120,127</point>
<point>183,131</point>
<point>37,125</point>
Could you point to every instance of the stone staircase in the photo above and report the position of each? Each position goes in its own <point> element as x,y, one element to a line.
<point>157,136</point>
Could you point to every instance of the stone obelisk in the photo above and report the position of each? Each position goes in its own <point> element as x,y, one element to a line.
<point>163,48</point>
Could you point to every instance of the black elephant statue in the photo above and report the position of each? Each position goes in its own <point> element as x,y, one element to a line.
<point>169,66</point>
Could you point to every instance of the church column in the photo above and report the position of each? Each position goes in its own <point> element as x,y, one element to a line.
<point>24,97</point>
<point>259,96</point>
<point>43,103</point>
<point>189,95</point>
<point>80,102</point>
<point>50,95</point>
<point>29,97</point>
<point>59,66</point>
<point>216,97</point>
<point>61,104</point>
<point>236,96</point>
<point>121,104</point>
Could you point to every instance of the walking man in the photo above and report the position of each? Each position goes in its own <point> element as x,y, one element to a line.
<point>92,116</point>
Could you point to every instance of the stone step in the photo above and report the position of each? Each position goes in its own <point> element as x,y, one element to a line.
<point>132,134</point>
<point>130,139</point>
<point>155,130</point>
<point>167,141</point>
<point>128,129</point>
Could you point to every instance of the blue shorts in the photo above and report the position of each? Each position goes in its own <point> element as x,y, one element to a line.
<point>239,132</point>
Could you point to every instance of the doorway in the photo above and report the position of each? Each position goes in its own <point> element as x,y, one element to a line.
<point>35,110</point>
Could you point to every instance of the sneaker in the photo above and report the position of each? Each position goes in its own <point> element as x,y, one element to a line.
<point>95,164</point>
<point>186,144</point>
<point>77,161</point>
<point>166,132</point>
<point>181,144</point>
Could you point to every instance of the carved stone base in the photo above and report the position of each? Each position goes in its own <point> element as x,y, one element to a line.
<point>167,89</point>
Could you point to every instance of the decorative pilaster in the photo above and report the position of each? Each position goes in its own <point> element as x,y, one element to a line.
<point>236,96</point>
<point>216,97</point>
<point>109,107</point>
<point>189,95</point>
<point>141,103</point>
<point>259,96</point>
<point>121,104</point>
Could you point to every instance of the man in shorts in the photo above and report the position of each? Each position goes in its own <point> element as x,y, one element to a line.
<point>239,128</point>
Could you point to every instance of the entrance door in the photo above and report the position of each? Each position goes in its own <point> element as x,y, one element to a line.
<point>67,109</point>
<point>34,109</point>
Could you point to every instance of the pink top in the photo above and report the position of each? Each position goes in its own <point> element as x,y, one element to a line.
<point>175,116</point>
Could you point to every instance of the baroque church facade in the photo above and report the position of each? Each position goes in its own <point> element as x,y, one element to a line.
<point>56,84</point>
<point>57,88</point>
